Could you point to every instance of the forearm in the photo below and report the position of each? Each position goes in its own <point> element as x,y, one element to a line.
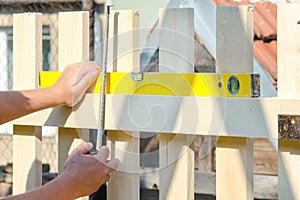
<point>54,190</point>
<point>83,174</point>
<point>14,104</point>
<point>75,80</point>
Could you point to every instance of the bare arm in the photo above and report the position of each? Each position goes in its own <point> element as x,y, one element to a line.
<point>68,90</point>
<point>83,175</point>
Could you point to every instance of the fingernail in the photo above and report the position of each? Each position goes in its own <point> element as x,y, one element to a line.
<point>88,145</point>
<point>95,73</point>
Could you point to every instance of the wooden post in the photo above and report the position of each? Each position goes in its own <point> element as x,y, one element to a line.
<point>176,54</point>
<point>123,56</point>
<point>27,140</point>
<point>288,87</point>
<point>234,155</point>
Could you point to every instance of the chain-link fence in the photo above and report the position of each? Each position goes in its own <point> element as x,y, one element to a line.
<point>50,10</point>
<point>49,160</point>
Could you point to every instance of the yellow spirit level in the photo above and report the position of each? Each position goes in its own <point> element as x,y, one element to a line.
<point>174,84</point>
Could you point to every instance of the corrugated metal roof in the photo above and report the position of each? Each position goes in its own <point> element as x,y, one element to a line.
<point>265,31</point>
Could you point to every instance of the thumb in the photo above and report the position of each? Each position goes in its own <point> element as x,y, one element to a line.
<point>83,148</point>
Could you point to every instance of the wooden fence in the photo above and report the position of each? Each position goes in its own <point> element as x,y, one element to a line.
<point>235,120</point>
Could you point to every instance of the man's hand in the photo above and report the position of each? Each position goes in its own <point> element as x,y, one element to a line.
<point>83,175</point>
<point>84,172</point>
<point>75,81</point>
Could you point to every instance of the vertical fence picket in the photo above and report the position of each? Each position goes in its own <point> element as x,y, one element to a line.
<point>176,55</point>
<point>27,59</point>
<point>289,88</point>
<point>123,56</point>
<point>73,46</point>
<point>234,54</point>
<point>234,156</point>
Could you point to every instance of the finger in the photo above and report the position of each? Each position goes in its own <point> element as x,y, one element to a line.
<point>112,165</point>
<point>92,87</point>
<point>107,177</point>
<point>85,68</point>
<point>82,86</point>
<point>102,154</point>
<point>83,148</point>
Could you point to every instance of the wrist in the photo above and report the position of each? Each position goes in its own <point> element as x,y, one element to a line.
<point>56,96</point>
<point>65,187</point>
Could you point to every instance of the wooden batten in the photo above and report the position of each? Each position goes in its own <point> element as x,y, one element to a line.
<point>27,60</point>
<point>218,116</point>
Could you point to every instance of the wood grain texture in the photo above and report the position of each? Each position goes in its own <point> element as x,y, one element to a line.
<point>265,187</point>
<point>173,115</point>
<point>265,157</point>
<point>176,161</point>
<point>176,54</point>
<point>27,46</point>
<point>234,156</point>
<point>234,168</point>
<point>288,169</point>
<point>234,39</point>
<point>288,87</point>
<point>123,56</point>
<point>176,40</point>
<point>27,140</point>
<point>73,38</point>
<point>73,47</point>
<point>288,51</point>
<point>124,41</point>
